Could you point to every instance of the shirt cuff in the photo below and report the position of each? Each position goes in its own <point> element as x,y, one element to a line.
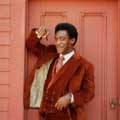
<point>72,98</point>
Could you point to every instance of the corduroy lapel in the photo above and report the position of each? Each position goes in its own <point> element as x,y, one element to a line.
<point>69,68</point>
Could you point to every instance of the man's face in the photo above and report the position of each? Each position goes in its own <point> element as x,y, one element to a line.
<point>63,42</point>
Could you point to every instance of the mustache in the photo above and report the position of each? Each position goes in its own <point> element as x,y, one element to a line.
<point>60,45</point>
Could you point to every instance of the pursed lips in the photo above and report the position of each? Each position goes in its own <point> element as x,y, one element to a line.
<point>60,47</point>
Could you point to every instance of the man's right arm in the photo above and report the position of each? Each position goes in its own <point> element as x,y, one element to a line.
<point>33,44</point>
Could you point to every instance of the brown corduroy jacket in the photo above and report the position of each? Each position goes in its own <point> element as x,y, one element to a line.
<point>78,76</point>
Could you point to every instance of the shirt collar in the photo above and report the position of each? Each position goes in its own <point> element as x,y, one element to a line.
<point>67,56</point>
<point>70,54</point>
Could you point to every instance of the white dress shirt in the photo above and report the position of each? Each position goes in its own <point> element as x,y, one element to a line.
<point>67,56</point>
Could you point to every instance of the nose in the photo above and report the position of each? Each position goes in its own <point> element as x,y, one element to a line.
<point>58,41</point>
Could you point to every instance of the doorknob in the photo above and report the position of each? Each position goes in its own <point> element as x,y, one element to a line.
<point>114,103</point>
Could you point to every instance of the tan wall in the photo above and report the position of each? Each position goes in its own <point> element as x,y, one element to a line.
<point>4,57</point>
<point>12,34</point>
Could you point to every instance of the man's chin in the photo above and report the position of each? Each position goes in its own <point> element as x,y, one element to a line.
<point>60,52</point>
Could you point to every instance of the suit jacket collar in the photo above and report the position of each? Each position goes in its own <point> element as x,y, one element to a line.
<point>68,68</point>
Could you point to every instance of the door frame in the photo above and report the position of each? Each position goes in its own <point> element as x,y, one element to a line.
<point>118,58</point>
<point>16,64</point>
<point>17,60</point>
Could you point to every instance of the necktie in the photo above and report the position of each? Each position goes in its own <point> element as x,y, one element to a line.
<point>59,63</point>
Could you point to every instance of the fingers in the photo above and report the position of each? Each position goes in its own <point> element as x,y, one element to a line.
<point>63,102</point>
<point>39,32</point>
<point>42,32</point>
<point>59,105</point>
<point>46,35</point>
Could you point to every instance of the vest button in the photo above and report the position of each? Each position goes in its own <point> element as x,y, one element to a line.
<point>52,99</point>
<point>53,92</point>
<point>46,91</point>
<point>51,111</point>
<point>46,98</point>
<point>44,109</point>
<point>52,105</point>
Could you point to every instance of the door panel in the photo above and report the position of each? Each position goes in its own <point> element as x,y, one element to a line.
<point>96,24</point>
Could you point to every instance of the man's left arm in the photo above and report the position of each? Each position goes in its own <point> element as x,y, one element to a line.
<point>87,89</point>
<point>83,95</point>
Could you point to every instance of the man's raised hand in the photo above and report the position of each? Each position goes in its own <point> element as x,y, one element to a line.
<point>42,32</point>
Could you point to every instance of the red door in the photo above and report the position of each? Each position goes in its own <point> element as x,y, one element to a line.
<point>97,27</point>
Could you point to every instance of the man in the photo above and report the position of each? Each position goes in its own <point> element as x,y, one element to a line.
<point>62,81</point>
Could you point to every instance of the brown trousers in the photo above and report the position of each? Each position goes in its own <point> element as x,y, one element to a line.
<point>61,115</point>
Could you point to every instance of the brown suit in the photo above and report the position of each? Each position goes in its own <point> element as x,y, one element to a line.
<point>75,76</point>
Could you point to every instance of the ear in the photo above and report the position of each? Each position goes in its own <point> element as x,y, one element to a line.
<point>72,41</point>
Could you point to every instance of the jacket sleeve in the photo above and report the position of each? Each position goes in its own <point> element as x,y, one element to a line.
<point>33,44</point>
<point>87,89</point>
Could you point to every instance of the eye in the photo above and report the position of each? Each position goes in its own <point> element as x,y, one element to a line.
<point>62,38</point>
